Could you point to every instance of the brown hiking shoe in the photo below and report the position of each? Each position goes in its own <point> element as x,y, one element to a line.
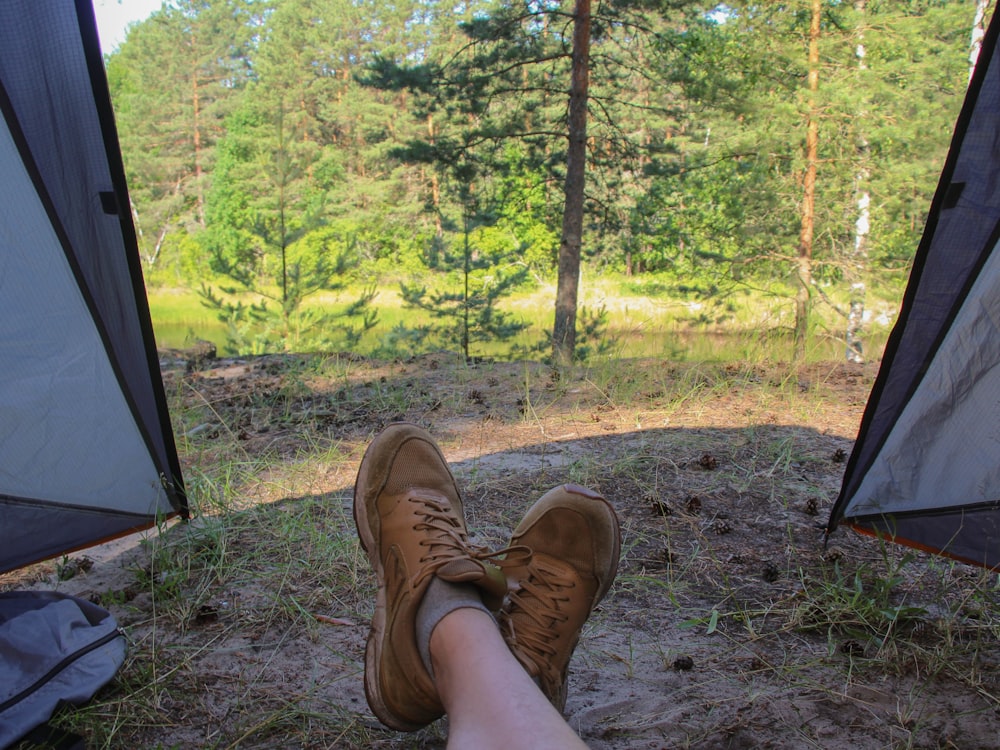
<point>575,541</point>
<point>410,520</point>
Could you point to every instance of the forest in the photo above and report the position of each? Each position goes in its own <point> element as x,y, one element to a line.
<point>295,162</point>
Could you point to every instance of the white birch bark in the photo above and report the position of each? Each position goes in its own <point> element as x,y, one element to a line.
<point>859,257</point>
<point>978,32</point>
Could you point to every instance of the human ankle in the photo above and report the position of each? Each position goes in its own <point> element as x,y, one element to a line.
<point>441,599</point>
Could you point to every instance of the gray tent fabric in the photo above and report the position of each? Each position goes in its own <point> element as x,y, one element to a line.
<point>86,448</point>
<point>925,469</point>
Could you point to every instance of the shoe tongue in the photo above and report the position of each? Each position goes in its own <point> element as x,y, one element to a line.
<point>490,579</point>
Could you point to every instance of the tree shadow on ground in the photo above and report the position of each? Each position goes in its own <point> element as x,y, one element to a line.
<point>248,624</point>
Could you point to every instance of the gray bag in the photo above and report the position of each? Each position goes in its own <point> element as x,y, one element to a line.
<point>54,649</point>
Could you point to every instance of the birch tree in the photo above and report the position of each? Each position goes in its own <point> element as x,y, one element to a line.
<point>862,224</point>
<point>978,32</point>
<point>803,299</point>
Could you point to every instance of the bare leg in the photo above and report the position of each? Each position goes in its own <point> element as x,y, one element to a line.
<point>490,700</point>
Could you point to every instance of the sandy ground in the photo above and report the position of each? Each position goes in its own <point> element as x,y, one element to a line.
<point>731,623</point>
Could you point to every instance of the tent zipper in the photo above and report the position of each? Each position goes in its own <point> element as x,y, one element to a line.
<point>63,663</point>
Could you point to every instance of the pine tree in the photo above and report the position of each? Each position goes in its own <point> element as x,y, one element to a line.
<point>173,82</point>
<point>510,83</point>
<point>270,235</point>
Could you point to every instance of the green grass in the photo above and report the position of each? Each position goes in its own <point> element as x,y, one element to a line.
<point>179,319</point>
<point>753,327</point>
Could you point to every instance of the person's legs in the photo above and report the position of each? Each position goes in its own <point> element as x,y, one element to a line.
<point>491,701</point>
<point>433,646</point>
<point>507,688</point>
<point>410,522</point>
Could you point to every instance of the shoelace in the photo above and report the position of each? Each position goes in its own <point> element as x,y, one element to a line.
<point>539,598</point>
<point>449,542</point>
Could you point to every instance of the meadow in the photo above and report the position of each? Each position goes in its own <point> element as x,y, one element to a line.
<point>642,321</point>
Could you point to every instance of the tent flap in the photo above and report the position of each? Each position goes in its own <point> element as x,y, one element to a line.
<point>86,447</point>
<point>971,535</point>
<point>924,468</point>
<point>48,530</point>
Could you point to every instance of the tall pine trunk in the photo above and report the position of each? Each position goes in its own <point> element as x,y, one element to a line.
<point>199,177</point>
<point>803,299</point>
<point>567,289</point>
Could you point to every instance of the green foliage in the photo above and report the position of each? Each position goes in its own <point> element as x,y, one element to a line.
<point>527,215</point>
<point>250,128</point>
<point>173,82</point>
<point>865,605</point>
<point>256,327</point>
<point>724,207</point>
<point>390,251</point>
<point>593,339</point>
<point>711,225</point>
<point>465,310</point>
<point>268,239</point>
<point>490,229</point>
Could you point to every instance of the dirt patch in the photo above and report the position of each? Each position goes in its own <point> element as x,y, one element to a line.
<point>731,624</point>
